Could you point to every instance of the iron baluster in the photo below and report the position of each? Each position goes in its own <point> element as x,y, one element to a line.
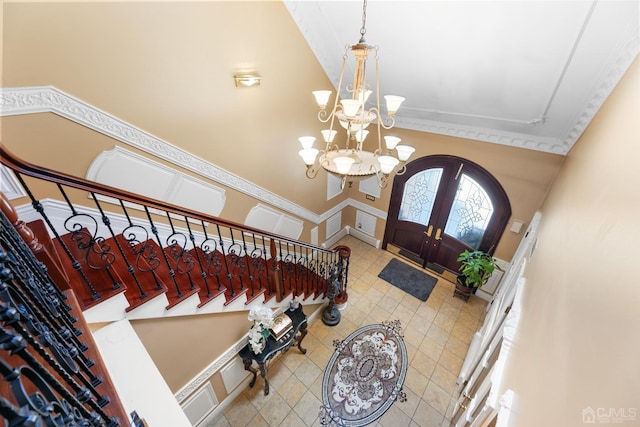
<point>236,259</point>
<point>107,222</point>
<point>74,263</point>
<point>211,257</point>
<point>226,262</point>
<point>155,232</point>
<point>176,244</point>
<point>147,260</point>
<point>88,241</point>
<point>203,274</point>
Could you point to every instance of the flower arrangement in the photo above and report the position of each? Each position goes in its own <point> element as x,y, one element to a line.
<point>262,318</point>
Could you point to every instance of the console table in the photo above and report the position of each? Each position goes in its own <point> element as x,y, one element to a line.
<point>273,347</point>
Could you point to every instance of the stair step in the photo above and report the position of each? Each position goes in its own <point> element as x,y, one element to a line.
<point>150,285</point>
<point>105,281</point>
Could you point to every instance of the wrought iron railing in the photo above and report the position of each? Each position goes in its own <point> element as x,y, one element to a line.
<point>110,240</point>
<point>48,376</point>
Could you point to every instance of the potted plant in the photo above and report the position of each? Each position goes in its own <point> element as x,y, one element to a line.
<point>475,269</point>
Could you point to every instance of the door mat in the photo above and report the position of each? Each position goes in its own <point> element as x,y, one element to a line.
<point>409,279</point>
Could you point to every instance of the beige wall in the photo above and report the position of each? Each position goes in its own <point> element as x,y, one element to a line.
<point>167,67</point>
<point>578,344</point>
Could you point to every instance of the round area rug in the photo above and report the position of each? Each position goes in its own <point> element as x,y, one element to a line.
<point>364,376</point>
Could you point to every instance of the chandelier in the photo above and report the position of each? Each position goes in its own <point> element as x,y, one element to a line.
<point>352,161</point>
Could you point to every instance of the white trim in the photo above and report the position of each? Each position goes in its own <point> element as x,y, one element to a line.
<point>48,99</point>
<point>9,184</point>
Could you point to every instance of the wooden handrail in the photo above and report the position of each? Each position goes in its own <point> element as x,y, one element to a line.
<point>13,162</point>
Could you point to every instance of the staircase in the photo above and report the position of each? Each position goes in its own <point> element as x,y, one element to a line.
<point>106,255</point>
<point>125,256</point>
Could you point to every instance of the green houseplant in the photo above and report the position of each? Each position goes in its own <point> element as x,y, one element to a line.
<point>475,269</point>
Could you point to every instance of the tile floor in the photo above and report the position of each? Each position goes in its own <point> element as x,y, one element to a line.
<point>437,333</point>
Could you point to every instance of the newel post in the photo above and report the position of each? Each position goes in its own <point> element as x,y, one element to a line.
<point>344,252</point>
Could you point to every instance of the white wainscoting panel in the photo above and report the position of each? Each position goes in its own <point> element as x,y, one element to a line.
<point>200,404</point>
<point>366,223</point>
<point>268,219</point>
<point>334,224</point>
<point>233,374</point>
<point>370,186</point>
<point>132,172</point>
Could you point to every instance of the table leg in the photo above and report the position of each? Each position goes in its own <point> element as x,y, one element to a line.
<point>248,366</point>
<point>303,333</point>
<point>263,373</point>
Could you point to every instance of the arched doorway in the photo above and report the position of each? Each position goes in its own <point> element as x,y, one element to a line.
<point>443,205</point>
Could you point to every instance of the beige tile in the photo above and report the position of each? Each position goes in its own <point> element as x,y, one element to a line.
<point>394,417</point>
<point>462,333</point>
<point>307,372</point>
<point>436,397</point>
<point>321,355</point>
<point>444,322</point>
<point>412,335</point>
<point>431,348</point>
<point>379,314</point>
<point>276,411</point>
<point>277,373</point>
<point>240,412</point>
<point>388,304</point>
<point>292,420</point>
<point>426,415</point>
<point>258,421</point>
<point>308,407</point>
<point>450,361</point>
<point>220,421</point>
<point>415,381</point>
<point>410,404</point>
<point>444,378</point>
<point>457,347</point>
<point>403,313</point>
<point>424,364</point>
<point>426,312</point>
<point>292,390</point>
<point>438,335</point>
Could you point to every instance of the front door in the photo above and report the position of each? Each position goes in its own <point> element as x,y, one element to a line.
<point>443,205</point>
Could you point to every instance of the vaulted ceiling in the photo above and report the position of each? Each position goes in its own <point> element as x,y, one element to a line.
<point>530,74</point>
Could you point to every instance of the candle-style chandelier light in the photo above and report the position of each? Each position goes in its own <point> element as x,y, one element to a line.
<point>352,161</point>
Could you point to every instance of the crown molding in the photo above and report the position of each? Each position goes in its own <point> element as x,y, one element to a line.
<point>48,99</point>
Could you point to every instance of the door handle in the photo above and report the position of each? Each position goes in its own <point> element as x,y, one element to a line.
<point>438,234</point>
<point>429,231</point>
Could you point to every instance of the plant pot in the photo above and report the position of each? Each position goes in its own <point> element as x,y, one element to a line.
<point>462,290</point>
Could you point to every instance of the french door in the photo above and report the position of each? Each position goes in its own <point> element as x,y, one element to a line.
<point>443,205</point>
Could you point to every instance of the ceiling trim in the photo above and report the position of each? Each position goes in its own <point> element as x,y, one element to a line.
<point>614,68</point>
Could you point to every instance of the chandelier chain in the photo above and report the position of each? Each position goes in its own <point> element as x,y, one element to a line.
<point>363,30</point>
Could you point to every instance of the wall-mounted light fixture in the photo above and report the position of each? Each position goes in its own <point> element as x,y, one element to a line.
<point>247,79</point>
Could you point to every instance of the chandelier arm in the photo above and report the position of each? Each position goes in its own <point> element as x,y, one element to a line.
<point>312,171</point>
<point>335,102</point>
<point>389,126</point>
<point>402,170</point>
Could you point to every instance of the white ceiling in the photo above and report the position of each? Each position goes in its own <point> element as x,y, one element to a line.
<point>530,74</point>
